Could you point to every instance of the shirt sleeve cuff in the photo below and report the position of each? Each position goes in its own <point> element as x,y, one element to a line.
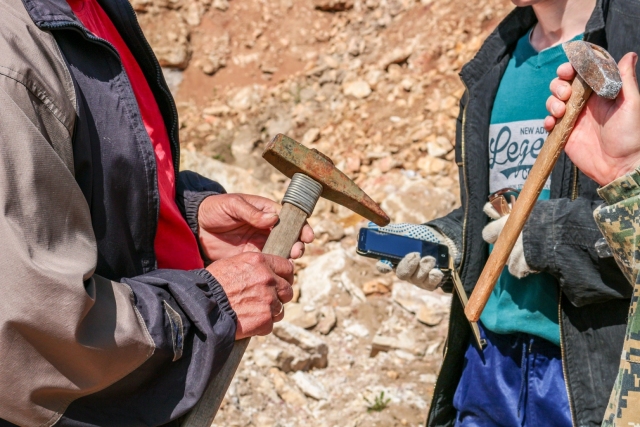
<point>625,187</point>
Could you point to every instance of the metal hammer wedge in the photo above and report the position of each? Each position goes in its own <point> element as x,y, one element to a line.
<point>312,175</point>
<point>597,72</point>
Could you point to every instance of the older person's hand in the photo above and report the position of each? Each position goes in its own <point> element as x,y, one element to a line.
<point>257,286</point>
<point>230,224</point>
<point>605,143</point>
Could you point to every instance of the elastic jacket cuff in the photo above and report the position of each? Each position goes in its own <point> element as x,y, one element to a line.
<point>192,205</point>
<point>625,187</point>
<point>217,292</point>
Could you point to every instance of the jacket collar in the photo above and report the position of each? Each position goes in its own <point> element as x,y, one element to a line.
<point>50,13</point>
<point>504,38</point>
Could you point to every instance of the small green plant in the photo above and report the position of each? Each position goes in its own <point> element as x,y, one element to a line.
<point>379,403</point>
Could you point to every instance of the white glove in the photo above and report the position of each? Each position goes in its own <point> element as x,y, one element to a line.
<point>516,263</point>
<point>413,269</point>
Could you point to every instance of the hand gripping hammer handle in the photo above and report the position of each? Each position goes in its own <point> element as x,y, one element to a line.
<point>298,203</point>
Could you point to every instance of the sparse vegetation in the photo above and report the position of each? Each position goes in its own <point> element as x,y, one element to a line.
<point>379,403</point>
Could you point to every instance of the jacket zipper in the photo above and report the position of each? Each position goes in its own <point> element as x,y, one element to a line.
<point>564,359</point>
<point>465,180</point>
<point>573,196</point>
<point>574,189</point>
<point>464,227</point>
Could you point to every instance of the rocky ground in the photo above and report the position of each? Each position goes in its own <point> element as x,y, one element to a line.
<point>373,84</point>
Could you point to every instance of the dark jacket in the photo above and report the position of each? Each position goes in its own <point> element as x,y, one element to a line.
<point>91,331</point>
<point>559,237</point>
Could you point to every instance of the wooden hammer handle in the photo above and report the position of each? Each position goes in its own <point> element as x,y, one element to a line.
<point>538,176</point>
<point>280,241</point>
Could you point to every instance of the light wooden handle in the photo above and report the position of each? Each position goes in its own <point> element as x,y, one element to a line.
<point>538,175</point>
<point>280,241</point>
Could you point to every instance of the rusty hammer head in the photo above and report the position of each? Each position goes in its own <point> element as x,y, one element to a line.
<point>596,67</point>
<point>290,157</point>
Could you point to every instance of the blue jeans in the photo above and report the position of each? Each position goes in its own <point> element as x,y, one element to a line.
<point>517,380</point>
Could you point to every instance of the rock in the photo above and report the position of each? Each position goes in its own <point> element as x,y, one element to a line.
<point>232,178</point>
<point>383,343</point>
<point>281,123</point>
<point>246,97</point>
<point>352,288</point>
<point>327,320</point>
<point>287,392</point>
<point>310,136</point>
<point>429,316</point>
<point>310,385</point>
<point>307,341</point>
<point>168,34</point>
<point>396,56</point>
<point>405,197</point>
<point>243,144</point>
<point>217,110</point>
<point>221,4</point>
<point>331,229</point>
<point>333,5</point>
<point>375,287</point>
<point>435,150</point>
<point>173,77</point>
<point>297,315</point>
<point>430,307</point>
<point>287,358</point>
<point>316,280</point>
<point>359,89</point>
<point>356,329</point>
<point>218,50</point>
<point>194,13</point>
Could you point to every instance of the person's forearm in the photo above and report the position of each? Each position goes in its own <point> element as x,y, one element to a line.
<point>619,221</point>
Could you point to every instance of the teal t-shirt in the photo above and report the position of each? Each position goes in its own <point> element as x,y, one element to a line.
<point>516,135</point>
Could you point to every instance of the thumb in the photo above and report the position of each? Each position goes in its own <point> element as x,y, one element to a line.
<point>627,67</point>
<point>245,212</point>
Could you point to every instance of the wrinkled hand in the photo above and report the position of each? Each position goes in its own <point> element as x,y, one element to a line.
<point>413,268</point>
<point>257,285</point>
<point>230,224</point>
<point>516,263</point>
<point>605,143</point>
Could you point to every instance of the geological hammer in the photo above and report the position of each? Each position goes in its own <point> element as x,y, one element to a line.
<point>312,175</point>
<point>597,72</point>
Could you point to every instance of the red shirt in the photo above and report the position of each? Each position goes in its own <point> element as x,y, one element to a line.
<point>175,245</point>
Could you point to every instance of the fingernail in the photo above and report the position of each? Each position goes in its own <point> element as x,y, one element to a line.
<point>561,91</point>
<point>635,59</point>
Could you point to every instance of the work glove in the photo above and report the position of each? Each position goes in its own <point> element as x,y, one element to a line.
<point>516,263</point>
<point>414,269</point>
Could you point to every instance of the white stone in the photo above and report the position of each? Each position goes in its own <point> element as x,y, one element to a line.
<point>310,136</point>
<point>304,339</point>
<point>246,97</point>
<point>359,89</point>
<point>310,385</point>
<point>356,329</point>
<point>316,280</point>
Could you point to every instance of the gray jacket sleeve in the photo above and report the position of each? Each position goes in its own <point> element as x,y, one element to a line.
<point>76,346</point>
<point>559,238</point>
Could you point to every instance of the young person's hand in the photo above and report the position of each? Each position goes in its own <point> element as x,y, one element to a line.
<point>230,224</point>
<point>605,143</point>
<point>257,286</point>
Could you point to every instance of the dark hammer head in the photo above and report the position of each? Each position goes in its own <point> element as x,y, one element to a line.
<point>596,67</point>
<point>290,157</point>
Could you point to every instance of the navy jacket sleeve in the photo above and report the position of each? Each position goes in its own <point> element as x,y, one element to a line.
<point>191,189</point>
<point>193,327</point>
